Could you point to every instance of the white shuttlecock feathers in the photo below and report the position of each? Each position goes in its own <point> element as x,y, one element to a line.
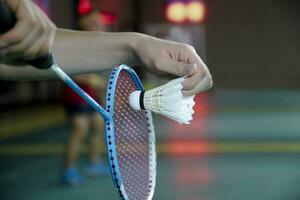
<point>166,100</point>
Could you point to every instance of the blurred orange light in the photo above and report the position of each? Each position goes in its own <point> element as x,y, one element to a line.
<point>184,148</point>
<point>195,11</point>
<point>176,12</point>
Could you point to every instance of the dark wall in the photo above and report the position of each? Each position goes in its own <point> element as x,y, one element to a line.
<point>62,13</point>
<point>254,43</point>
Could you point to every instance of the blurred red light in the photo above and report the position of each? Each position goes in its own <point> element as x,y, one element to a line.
<point>107,18</point>
<point>84,7</point>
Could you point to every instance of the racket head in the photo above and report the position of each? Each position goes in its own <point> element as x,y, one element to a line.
<point>130,138</point>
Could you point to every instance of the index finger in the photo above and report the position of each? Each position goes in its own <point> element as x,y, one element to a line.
<point>199,81</point>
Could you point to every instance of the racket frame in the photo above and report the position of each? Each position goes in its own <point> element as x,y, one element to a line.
<point>110,136</point>
<point>107,115</point>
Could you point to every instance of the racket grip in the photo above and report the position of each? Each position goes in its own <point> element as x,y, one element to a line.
<point>7,22</point>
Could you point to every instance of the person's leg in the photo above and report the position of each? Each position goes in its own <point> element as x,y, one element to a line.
<point>79,128</point>
<point>95,141</point>
<point>96,165</point>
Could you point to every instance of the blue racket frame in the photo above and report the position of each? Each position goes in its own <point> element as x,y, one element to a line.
<point>107,115</point>
<point>110,136</point>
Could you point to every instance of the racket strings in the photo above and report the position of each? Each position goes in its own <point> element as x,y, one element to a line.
<point>132,141</point>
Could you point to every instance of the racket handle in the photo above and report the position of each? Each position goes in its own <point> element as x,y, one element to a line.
<point>7,22</point>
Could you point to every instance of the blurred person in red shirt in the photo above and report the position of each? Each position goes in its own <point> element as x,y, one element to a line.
<point>82,118</point>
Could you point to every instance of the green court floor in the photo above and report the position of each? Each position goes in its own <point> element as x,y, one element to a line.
<point>229,177</point>
<point>242,146</point>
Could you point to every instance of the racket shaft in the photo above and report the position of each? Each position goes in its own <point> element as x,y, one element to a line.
<point>66,79</point>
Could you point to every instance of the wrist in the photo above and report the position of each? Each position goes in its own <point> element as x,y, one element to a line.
<point>135,39</point>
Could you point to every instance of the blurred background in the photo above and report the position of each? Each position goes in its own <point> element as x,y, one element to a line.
<point>244,141</point>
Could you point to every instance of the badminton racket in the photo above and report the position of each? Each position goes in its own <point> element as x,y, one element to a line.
<point>130,137</point>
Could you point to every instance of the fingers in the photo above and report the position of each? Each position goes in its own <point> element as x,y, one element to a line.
<point>178,68</point>
<point>199,81</point>
<point>204,84</point>
<point>201,73</point>
<point>198,78</point>
<point>183,69</point>
<point>32,35</point>
<point>17,43</point>
<point>25,20</point>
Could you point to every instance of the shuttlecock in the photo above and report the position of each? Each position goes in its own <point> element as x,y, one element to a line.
<point>166,100</point>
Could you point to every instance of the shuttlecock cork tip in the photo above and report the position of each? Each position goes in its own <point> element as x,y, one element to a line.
<point>135,99</point>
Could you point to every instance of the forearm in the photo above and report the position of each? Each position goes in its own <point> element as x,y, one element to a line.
<point>24,73</point>
<point>81,52</point>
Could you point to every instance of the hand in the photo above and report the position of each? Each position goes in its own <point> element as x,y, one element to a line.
<point>166,57</point>
<point>32,35</point>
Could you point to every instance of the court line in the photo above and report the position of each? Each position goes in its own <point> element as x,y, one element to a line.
<point>172,148</point>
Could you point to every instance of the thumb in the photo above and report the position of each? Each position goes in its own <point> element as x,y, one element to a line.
<point>180,68</point>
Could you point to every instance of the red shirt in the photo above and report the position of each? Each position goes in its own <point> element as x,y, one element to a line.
<point>71,98</point>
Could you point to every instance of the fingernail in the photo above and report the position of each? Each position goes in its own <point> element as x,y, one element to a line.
<point>190,69</point>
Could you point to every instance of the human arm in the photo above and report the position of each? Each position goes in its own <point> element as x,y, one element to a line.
<point>84,52</point>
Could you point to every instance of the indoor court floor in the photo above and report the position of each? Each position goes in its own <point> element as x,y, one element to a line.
<point>244,146</point>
